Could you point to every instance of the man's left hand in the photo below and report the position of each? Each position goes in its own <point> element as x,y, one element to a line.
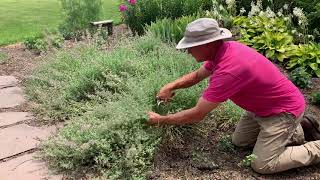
<point>154,118</point>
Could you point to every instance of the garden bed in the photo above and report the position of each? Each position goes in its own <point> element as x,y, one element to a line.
<point>182,149</point>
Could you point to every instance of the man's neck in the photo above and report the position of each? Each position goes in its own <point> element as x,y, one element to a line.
<point>215,49</point>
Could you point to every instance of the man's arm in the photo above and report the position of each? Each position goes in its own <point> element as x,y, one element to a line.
<point>185,81</point>
<point>190,79</point>
<point>189,116</point>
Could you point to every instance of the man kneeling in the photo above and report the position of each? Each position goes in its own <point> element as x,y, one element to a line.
<point>274,105</point>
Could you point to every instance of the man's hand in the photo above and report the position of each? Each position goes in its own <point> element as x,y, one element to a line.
<point>154,118</point>
<point>189,116</point>
<point>165,94</point>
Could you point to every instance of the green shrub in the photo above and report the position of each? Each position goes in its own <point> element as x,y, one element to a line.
<point>306,56</point>
<point>44,42</point>
<point>316,98</point>
<point>269,36</point>
<point>78,15</point>
<point>170,31</point>
<point>3,57</point>
<point>142,13</point>
<point>301,78</point>
<point>37,44</point>
<point>274,45</point>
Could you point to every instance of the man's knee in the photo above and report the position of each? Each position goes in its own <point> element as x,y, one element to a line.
<point>262,167</point>
<point>240,141</point>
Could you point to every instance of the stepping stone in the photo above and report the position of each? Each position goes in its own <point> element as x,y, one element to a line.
<point>21,138</point>
<point>11,97</point>
<point>26,167</point>
<point>9,118</point>
<point>8,81</point>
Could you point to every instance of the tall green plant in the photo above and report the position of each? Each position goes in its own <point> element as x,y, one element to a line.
<point>78,15</point>
<point>143,12</point>
<point>170,30</point>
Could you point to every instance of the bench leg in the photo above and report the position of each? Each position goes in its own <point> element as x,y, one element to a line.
<point>110,29</point>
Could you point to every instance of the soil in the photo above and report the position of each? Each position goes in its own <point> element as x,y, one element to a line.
<point>172,161</point>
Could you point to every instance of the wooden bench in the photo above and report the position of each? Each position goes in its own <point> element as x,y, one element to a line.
<point>106,23</point>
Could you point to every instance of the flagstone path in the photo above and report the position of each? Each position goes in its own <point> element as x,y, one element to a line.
<point>18,140</point>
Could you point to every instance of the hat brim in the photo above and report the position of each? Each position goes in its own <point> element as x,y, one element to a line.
<point>183,44</point>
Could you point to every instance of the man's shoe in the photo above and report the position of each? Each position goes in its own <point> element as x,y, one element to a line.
<point>311,128</point>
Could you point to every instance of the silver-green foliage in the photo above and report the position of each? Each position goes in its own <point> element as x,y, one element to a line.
<point>105,96</point>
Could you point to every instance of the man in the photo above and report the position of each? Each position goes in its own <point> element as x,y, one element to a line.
<point>274,105</point>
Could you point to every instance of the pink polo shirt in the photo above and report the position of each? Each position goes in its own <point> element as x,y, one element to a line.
<point>251,81</point>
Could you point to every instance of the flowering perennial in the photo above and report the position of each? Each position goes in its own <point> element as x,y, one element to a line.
<point>123,7</point>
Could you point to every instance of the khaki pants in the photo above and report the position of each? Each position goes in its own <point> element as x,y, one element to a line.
<point>273,138</point>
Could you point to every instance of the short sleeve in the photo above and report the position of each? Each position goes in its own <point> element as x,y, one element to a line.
<point>222,87</point>
<point>208,65</point>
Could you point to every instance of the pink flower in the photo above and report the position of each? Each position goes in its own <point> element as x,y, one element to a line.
<point>123,7</point>
<point>133,2</point>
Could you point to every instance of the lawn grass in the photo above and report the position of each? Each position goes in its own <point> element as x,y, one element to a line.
<point>25,18</point>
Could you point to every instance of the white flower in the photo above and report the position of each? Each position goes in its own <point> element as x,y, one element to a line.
<point>294,31</point>
<point>231,4</point>
<point>286,18</point>
<point>270,13</point>
<point>255,9</point>
<point>310,36</point>
<point>208,13</point>
<point>280,12</point>
<point>262,13</point>
<point>297,12</point>
<point>221,8</point>
<point>286,6</point>
<point>242,10</point>
<point>259,3</point>
<point>302,19</point>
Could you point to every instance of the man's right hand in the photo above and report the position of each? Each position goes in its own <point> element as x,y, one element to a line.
<point>165,94</point>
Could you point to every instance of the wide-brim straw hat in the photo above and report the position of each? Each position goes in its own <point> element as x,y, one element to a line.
<point>202,31</point>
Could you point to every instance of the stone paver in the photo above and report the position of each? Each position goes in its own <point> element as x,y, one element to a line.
<point>17,138</point>
<point>11,97</point>
<point>21,138</point>
<point>8,118</point>
<point>8,81</point>
<point>25,168</point>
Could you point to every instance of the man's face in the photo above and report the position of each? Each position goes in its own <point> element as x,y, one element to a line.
<point>200,53</point>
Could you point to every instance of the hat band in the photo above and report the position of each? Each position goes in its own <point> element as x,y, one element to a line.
<point>203,37</point>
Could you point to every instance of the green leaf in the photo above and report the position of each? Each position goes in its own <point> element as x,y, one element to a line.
<point>269,53</point>
<point>314,66</point>
<point>291,65</point>
<point>317,72</point>
<point>282,50</point>
<point>281,57</point>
